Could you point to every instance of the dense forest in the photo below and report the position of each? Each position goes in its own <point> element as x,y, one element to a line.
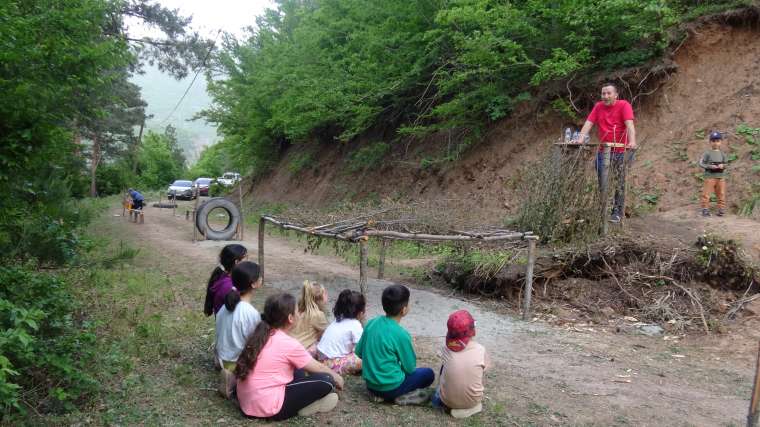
<point>70,126</point>
<point>71,123</point>
<point>330,70</point>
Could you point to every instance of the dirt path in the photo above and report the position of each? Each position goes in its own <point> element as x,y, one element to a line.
<point>584,375</point>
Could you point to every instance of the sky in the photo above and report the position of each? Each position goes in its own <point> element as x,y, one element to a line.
<point>162,92</point>
<point>211,15</point>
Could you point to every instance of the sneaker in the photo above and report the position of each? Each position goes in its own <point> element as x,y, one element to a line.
<point>415,397</point>
<point>721,212</point>
<point>324,404</point>
<point>227,383</point>
<point>464,413</point>
<point>615,218</point>
<point>374,398</point>
<point>705,212</point>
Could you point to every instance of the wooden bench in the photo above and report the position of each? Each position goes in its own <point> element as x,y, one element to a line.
<point>137,216</point>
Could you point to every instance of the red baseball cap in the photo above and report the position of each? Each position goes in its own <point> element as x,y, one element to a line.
<point>461,327</point>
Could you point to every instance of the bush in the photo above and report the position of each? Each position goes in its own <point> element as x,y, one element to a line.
<point>45,349</point>
<point>368,157</point>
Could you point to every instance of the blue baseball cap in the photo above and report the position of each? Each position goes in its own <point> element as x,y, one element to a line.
<point>715,135</point>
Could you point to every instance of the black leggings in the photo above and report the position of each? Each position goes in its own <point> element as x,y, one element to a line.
<point>302,392</point>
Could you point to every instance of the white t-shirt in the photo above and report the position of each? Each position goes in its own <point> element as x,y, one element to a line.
<point>232,329</point>
<point>339,338</point>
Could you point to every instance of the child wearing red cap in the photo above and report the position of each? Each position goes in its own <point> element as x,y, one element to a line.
<point>464,361</point>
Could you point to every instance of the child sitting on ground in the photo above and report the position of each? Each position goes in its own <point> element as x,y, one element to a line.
<point>310,318</point>
<point>272,383</point>
<point>713,162</point>
<point>235,321</point>
<point>388,358</point>
<point>460,385</point>
<point>220,282</point>
<point>336,348</point>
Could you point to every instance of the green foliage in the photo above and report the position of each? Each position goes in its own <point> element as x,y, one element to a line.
<point>332,69</point>
<point>158,162</point>
<point>751,134</point>
<point>368,157</point>
<point>40,340</point>
<point>300,162</point>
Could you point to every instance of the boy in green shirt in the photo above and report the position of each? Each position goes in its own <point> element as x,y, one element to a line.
<point>713,161</point>
<point>389,365</point>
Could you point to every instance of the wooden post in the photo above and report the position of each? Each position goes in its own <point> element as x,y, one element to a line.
<point>604,183</point>
<point>381,263</point>
<point>174,205</point>
<point>242,217</point>
<point>363,264</point>
<point>262,224</point>
<point>753,417</point>
<point>529,277</point>
<point>195,215</point>
<point>187,215</point>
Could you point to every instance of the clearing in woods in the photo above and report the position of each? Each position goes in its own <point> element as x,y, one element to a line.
<point>541,374</point>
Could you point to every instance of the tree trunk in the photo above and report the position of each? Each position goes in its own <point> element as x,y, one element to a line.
<point>94,166</point>
<point>136,148</point>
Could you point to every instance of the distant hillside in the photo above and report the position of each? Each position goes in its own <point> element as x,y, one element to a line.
<point>162,92</point>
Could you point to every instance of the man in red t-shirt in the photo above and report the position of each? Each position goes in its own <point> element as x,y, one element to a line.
<point>613,118</point>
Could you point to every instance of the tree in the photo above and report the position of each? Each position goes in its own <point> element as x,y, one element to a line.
<point>159,164</point>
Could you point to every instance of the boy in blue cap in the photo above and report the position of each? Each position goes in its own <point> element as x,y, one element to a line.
<point>714,161</point>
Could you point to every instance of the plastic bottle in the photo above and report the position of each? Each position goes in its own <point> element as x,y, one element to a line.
<point>576,137</point>
<point>568,135</point>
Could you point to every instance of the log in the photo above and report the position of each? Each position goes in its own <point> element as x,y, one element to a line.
<point>381,263</point>
<point>363,265</point>
<point>529,278</point>
<point>753,417</point>
<point>444,237</point>
<point>242,217</point>
<point>262,225</point>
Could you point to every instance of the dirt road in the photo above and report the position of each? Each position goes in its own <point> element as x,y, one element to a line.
<point>542,375</point>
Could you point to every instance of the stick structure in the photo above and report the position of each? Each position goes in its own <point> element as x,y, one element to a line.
<point>363,265</point>
<point>753,417</point>
<point>527,295</point>
<point>262,226</point>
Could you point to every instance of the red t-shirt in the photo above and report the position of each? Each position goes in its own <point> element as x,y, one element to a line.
<point>610,122</point>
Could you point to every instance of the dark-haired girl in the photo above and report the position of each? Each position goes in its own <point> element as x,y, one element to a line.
<point>236,320</point>
<point>220,282</point>
<point>336,348</point>
<point>270,371</point>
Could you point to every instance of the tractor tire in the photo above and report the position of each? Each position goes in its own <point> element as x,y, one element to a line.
<point>201,219</point>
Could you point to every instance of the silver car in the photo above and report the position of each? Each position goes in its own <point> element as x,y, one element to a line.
<point>181,189</point>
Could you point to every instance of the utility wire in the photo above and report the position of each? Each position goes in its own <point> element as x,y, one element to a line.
<point>203,65</point>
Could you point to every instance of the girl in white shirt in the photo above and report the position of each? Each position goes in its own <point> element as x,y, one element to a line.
<point>235,321</point>
<point>336,347</point>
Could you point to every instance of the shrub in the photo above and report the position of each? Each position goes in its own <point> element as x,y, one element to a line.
<point>368,157</point>
<point>45,349</point>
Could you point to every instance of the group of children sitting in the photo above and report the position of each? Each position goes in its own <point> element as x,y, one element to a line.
<point>288,361</point>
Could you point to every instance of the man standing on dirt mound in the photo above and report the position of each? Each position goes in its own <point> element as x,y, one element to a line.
<point>613,118</point>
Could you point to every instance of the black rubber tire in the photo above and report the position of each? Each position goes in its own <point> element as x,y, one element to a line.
<point>201,219</point>
<point>164,205</point>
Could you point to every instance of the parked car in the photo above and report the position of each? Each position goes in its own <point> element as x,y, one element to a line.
<point>203,184</point>
<point>228,178</point>
<point>181,189</point>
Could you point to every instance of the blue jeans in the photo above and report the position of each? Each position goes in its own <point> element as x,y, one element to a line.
<point>420,378</point>
<point>619,164</point>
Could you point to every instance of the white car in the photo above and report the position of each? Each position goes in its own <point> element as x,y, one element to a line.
<point>181,189</point>
<point>229,178</point>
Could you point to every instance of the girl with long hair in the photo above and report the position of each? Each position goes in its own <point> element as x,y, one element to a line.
<point>310,316</point>
<point>235,321</point>
<point>220,282</point>
<point>336,348</point>
<point>271,379</point>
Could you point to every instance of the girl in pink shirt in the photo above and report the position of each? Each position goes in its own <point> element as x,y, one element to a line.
<point>271,369</point>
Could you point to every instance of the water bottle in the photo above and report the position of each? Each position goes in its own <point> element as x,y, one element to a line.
<point>568,135</point>
<point>576,136</point>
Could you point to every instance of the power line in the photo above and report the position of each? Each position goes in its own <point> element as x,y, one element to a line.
<point>203,65</point>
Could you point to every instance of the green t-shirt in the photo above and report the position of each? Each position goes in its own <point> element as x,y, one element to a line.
<point>387,354</point>
<point>712,157</point>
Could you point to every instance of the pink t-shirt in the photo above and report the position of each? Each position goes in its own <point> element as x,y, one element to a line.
<point>610,122</point>
<point>262,392</point>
